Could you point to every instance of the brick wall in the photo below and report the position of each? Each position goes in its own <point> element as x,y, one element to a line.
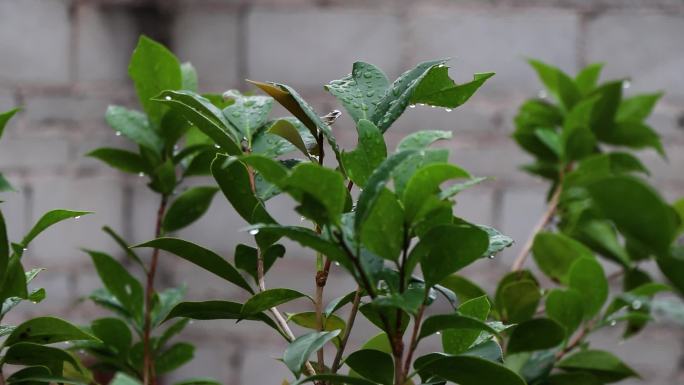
<point>65,61</point>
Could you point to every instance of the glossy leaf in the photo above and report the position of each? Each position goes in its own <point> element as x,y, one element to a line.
<point>557,82</point>
<point>335,379</point>
<point>135,126</point>
<point>268,299</point>
<point>46,330</point>
<point>437,89</point>
<point>188,207</point>
<point>419,197</point>
<point>422,139</point>
<point>588,77</point>
<point>456,341</point>
<point>174,357</point>
<point>201,257</point>
<point>565,307</point>
<point>604,365</point>
<point>299,350</point>
<point>369,153</point>
<point>360,91</point>
<point>638,107</point>
<point>519,300</point>
<point>29,354</point>
<point>554,253</point>
<point>383,231</point>
<point>123,160</point>
<point>468,370</point>
<point>153,69</point>
<point>247,113</point>
<point>212,310</point>
<point>437,323</point>
<point>588,279</point>
<point>48,219</point>
<point>325,186</point>
<point>120,283</point>
<point>114,333</point>
<point>372,364</point>
<point>535,334</point>
<point>5,117</point>
<point>288,131</point>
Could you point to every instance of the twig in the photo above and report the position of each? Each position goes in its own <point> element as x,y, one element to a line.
<point>149,375</point>
<point>543,221</point>
<point>347,330</point>
<point>414,340</point>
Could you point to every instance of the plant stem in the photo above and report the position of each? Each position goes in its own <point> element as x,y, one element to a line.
<point>347,330</point>
<point>414,340</point>
<point>543,221</point>
<point>149,375</point>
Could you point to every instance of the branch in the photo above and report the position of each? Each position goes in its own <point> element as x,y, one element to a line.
<point>543,222</point>
<point>149,375</point>
<point>347,330</point>
<point>413,345</point>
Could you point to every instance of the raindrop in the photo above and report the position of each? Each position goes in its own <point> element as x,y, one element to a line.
<point>77,217</point>
<point>433,106</point>
<point>254,232</point>
<point>440,66</point>
<point>626,84</point>
<point>490,256</point>
<point>167,97</point>
<point>613,323</point>
<point>118,133</point>
<point>141,174</point>
<point>448,109</point>
<point>302,219</point>
<point>367,75</point>
<point>412,106</point>
<point>217,146</point>
<point>542,94</point>
<point>636,305</point>
<point>337,263</point>
<point>24,249</point>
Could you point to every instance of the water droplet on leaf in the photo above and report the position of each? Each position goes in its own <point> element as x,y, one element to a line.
<point>542,94</point>
<point>167,98</point>
<point>254,232</point>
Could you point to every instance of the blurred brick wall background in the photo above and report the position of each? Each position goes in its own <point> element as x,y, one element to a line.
<point>64,61</point>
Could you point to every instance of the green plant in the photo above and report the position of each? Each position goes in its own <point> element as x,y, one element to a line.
<point>158,133</point>
<point>599,204</point>
<point>30,345</point>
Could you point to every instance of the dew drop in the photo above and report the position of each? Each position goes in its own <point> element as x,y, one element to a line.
<point>636,305</point>
<point>217,146</point>
<point>490,256</point>
<point>412,106</point>
<point>613,323</point>
<point>439,333</point>
<point>302,219</point>
<point>254,232</point>
<point>77,217</point>
<point>167,98</point>
<point>141,174</point>
<point>24,249</point>
<point>626,84</point>
<point>448,109</point>
<point>542,94</point>
<point>337,263</point>
<point>118,133</point>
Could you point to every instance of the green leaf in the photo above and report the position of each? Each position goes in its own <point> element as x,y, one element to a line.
<point>48,219</point>
<point>437,323</point>
<point>638,107</point>
<point>307,238</point>
<point>637,210</point>
<point>576,378</point>
<point>5,117</point>
<point>325,186</point>
<point>288,131</point>
<point>383,231</point>
<point>268,299</point>
<point>375,185</point>
<point>604,365</point>
<point>46,330</point>
<point>588,77</point>
<point>535,334</point>
<point>338,303</point>
<point>309,320</point>
<point>247,113</point>
<point>188,207</point>
<point>135,126</point>
<point>213,310</point>
<point>360,91</point>
<point>153,69</point>
<point>198,381</point>
<point>171,331</point>
<point>5,184</point>
<point>299,350</point>
<point>448,248</point>
<point>554,253</point>
<point>114,333</point>
<point>635,135</point>
<point>124,246</point>
<point>519,300</point>
<point>123,160</point>
<point>457,341</point>
<point>174,357</point>
<point>603,113</point>
<point>398,95</point>
<point>14,284</point>
<point>124,379</point>
<point>437,89</point>
<point>532,116</point>
<point>189,77</point>
<point>246,258</point>
<point>464,288</point>
<point>163,178</point>
<point>41,374</point>
<point>497,241</point>
<point>372,364</point>
<point>565,307</point>
<point>587,277</point>
<point>4,249</point>
<point>419,198</point>
<point>672,266</point>
<point>120,283</point>
<point>578,141</point>
<point>467,370</point>
<point>422,139</point>
<point>559,84</point>
<point>203,115</point>
<point>25,353</point>
<point>369,153</point>
<point>201,257</point>
<point>335,379</point>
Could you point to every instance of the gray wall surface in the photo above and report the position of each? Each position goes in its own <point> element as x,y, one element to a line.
<point>64,61</point>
